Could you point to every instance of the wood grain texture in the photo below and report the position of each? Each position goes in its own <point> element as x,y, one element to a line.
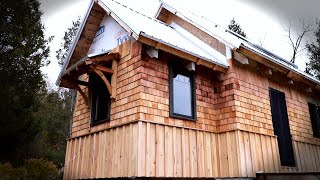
<point>144,149</point>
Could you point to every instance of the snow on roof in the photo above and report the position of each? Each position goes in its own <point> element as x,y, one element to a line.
<point>142,25</point>
<point>232,39</point>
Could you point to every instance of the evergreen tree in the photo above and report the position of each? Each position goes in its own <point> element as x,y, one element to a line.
<point>55,114</point>
<point>67,40</point>
<point>235,27</point>
<point>313,66</point>
<point>23,51</point>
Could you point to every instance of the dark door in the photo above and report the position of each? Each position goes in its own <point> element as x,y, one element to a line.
<point>281,127</point>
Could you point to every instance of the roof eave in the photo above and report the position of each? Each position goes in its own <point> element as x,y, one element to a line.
<point>284,66</point>
<point>142,35</point>
<point>75,41</point>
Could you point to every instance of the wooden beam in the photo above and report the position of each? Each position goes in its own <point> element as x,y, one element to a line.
<point>105,80</point>
<point>220,68</point>
<point>262,60</point>
<point>104,58</point>
<point>79,82</point>
<point>84,96</point>
<point>103,69</point>
<point>180,53</point>
<point>294,76</point>
<point>240,57</point>
<point>114,79</point>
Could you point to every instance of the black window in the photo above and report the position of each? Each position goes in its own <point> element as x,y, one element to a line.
<point>100,99</point>
<point>315,119</point>
<point>281,127</point>
<point>182,92</point>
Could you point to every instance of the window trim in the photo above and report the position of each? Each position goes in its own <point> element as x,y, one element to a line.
<point>192,76</point>
<point>92,122</point>
<point>315,135</point>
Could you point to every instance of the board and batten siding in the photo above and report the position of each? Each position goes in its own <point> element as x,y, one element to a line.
<point>144,149</point>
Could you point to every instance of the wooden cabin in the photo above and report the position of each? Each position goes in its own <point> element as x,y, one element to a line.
<point>176,96</point>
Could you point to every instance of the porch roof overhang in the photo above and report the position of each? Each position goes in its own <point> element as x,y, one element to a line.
<point>70,77</point>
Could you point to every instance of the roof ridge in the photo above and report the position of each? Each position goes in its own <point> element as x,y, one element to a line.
<point>136,11</point>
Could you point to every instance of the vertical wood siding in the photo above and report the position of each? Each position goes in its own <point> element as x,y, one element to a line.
<point>108,153</point>
<point>144,149</point>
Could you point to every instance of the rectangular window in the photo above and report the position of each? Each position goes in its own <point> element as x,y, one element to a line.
<point>315,119</point>
<point>281,127</point>
<point>100,99</point>
<point>182,92</point>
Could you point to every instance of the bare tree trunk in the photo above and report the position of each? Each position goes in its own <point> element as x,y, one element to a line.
<point>296,36</point>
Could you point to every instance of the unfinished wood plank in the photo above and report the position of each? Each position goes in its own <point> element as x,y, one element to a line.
<point>79,159</point>
<point>115,153</point>
<point>101,156</point>
<point>95,155</point>
<point>317,158</point>
<point>130,151</point>
<point>265,154</point>
<point>103,69</point>
<point>215,156</point>
<point>66,161</point>
<point>297,155</point>
<point>104,153</point>
<point>185,152</point>
<point>270,155</point>
<point>309,157</point>
<point>177,152</point>
<point>208,153</point>
<point>248,158</point>
<point>200,154</point>
<point>150,152</point>
<point>242,155</point>
<point>83,155</point>
<point>277,152</point>
<point>127,151</point>
<point>87,160</point>
<point>160,133</point>
<point>142,129</point>
<point>275,155</point>
<point>122,164</point>
<point>193,153</point>
<point>223,154</point>
<point>169,159</point>
<point>252,140</point>
<point>114,78</point>
<point>105,58</point>
<point>135,147</point>
<point>313,157</point>
<point>110,137</point>
<point>74,158</point>
<point>148,149</point>
<point>232,154</point>
<point>259,156</point>
<point>302,156</point>
<point>84,96</point>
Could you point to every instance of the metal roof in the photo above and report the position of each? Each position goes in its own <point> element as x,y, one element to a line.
<point>234,40</point>
<point>141,25</point>
<point>138,24</point>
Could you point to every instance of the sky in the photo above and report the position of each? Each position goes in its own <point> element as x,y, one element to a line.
<point>262,20</point>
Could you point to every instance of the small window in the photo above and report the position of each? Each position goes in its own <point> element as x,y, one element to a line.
<point>100,99</point>
<point>315,119</point>
<point>182,92</point>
